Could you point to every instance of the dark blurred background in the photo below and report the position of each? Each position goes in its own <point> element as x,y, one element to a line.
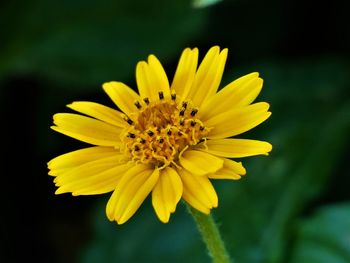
<point>293,206</point>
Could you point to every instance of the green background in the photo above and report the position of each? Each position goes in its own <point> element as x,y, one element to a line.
<point>292,207</point>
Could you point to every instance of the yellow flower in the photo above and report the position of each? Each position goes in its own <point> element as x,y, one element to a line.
<point>168,140</point>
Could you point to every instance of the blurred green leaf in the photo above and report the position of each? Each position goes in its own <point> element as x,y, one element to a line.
<point>307,182</point>
<point>90,42</point>
<point>325,237</point>
<point>144,238</point>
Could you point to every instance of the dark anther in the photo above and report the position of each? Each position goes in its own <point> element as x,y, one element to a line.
<point>173,96</point>
<point>142,140</point>
<point>184,104</point>
<point>182,112</point>
<point>182,122</point>
<point>201,128</point>
<point>150,133</point>
<point>128,120</point>
<point>138,104</point>
<point>131,135</point>
<point>136,148</point>
<point>161,95</point>
<point>146,100</point>
<point>193,123</point>
<point>169,132</point>
<point>194,112</point>
<point>201,140</point>
<point>161,140</point>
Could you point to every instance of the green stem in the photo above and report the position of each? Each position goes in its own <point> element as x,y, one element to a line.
<point>211,236</point>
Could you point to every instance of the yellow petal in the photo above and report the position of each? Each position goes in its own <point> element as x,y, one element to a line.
<point>158,77</point>
<point>89,168</point>
<point>78,157</point>
<point>238,93</point>
<point>237,121</point>
<point>99,112</point>
<point>185,72</point>
<point>133,173</point>
<point>166,193</point>
<point>132,190</point>
<point>87,129</point>
<point>198,191</point>
<point>200,163</point>
<point>123,96</point>
<point>208,76</point>
<point>145,90</point>
<point>90,183</point>
<point>236,148</point>
<point>111,204</point>
<point>231,170</point>
<point>151,79</point>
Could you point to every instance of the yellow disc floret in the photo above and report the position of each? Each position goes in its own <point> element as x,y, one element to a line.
<point>161,130</point>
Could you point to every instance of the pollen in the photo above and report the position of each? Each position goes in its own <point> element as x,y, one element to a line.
<point>159,131</point>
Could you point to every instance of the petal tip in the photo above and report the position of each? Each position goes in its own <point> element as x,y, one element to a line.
<point>264,105</point>
<point>194,52</point>
<point>60,191</point>
<point>164,220</point>
<point>224,52</point>
<point>106,86</point>
<point>206,212</point>
<point>152,58</point>
<point>110,85</point>
<point>268,114</point>
<point>244,171</point>
<point>109,214</point>
<point>216,48</point>
<point>121,220</point>
<point>269,147</point>
<point>51,173</point>
<point>140,65</point>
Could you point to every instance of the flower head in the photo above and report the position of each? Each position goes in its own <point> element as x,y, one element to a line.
<point>168,140</point>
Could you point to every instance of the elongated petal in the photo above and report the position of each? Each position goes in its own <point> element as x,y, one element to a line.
<point>93,183</point>
<point>78,157</point>
<point>143,83</point>
<point>236,148</point>
<point>151,79</point>
<point>199,87</point>
<point>238,93</point>
<point>200,163</point>
<point>132,190</point>
<point>98,111</point>
<point>166,193</point>
<point>198,191</point>
<point>87,129</point>
<point>185,72</point>
<point>244,79</point>
<point>231,170</point>
<point>208,76</point>
<point>237,121</point>
<point>123,96</point>
<point>158,77</point>
<point>89,169</point>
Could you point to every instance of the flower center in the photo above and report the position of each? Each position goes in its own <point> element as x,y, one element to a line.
<point>161,130</point>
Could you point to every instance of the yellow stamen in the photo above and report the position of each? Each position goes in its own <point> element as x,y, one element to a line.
<point>162,130</point>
